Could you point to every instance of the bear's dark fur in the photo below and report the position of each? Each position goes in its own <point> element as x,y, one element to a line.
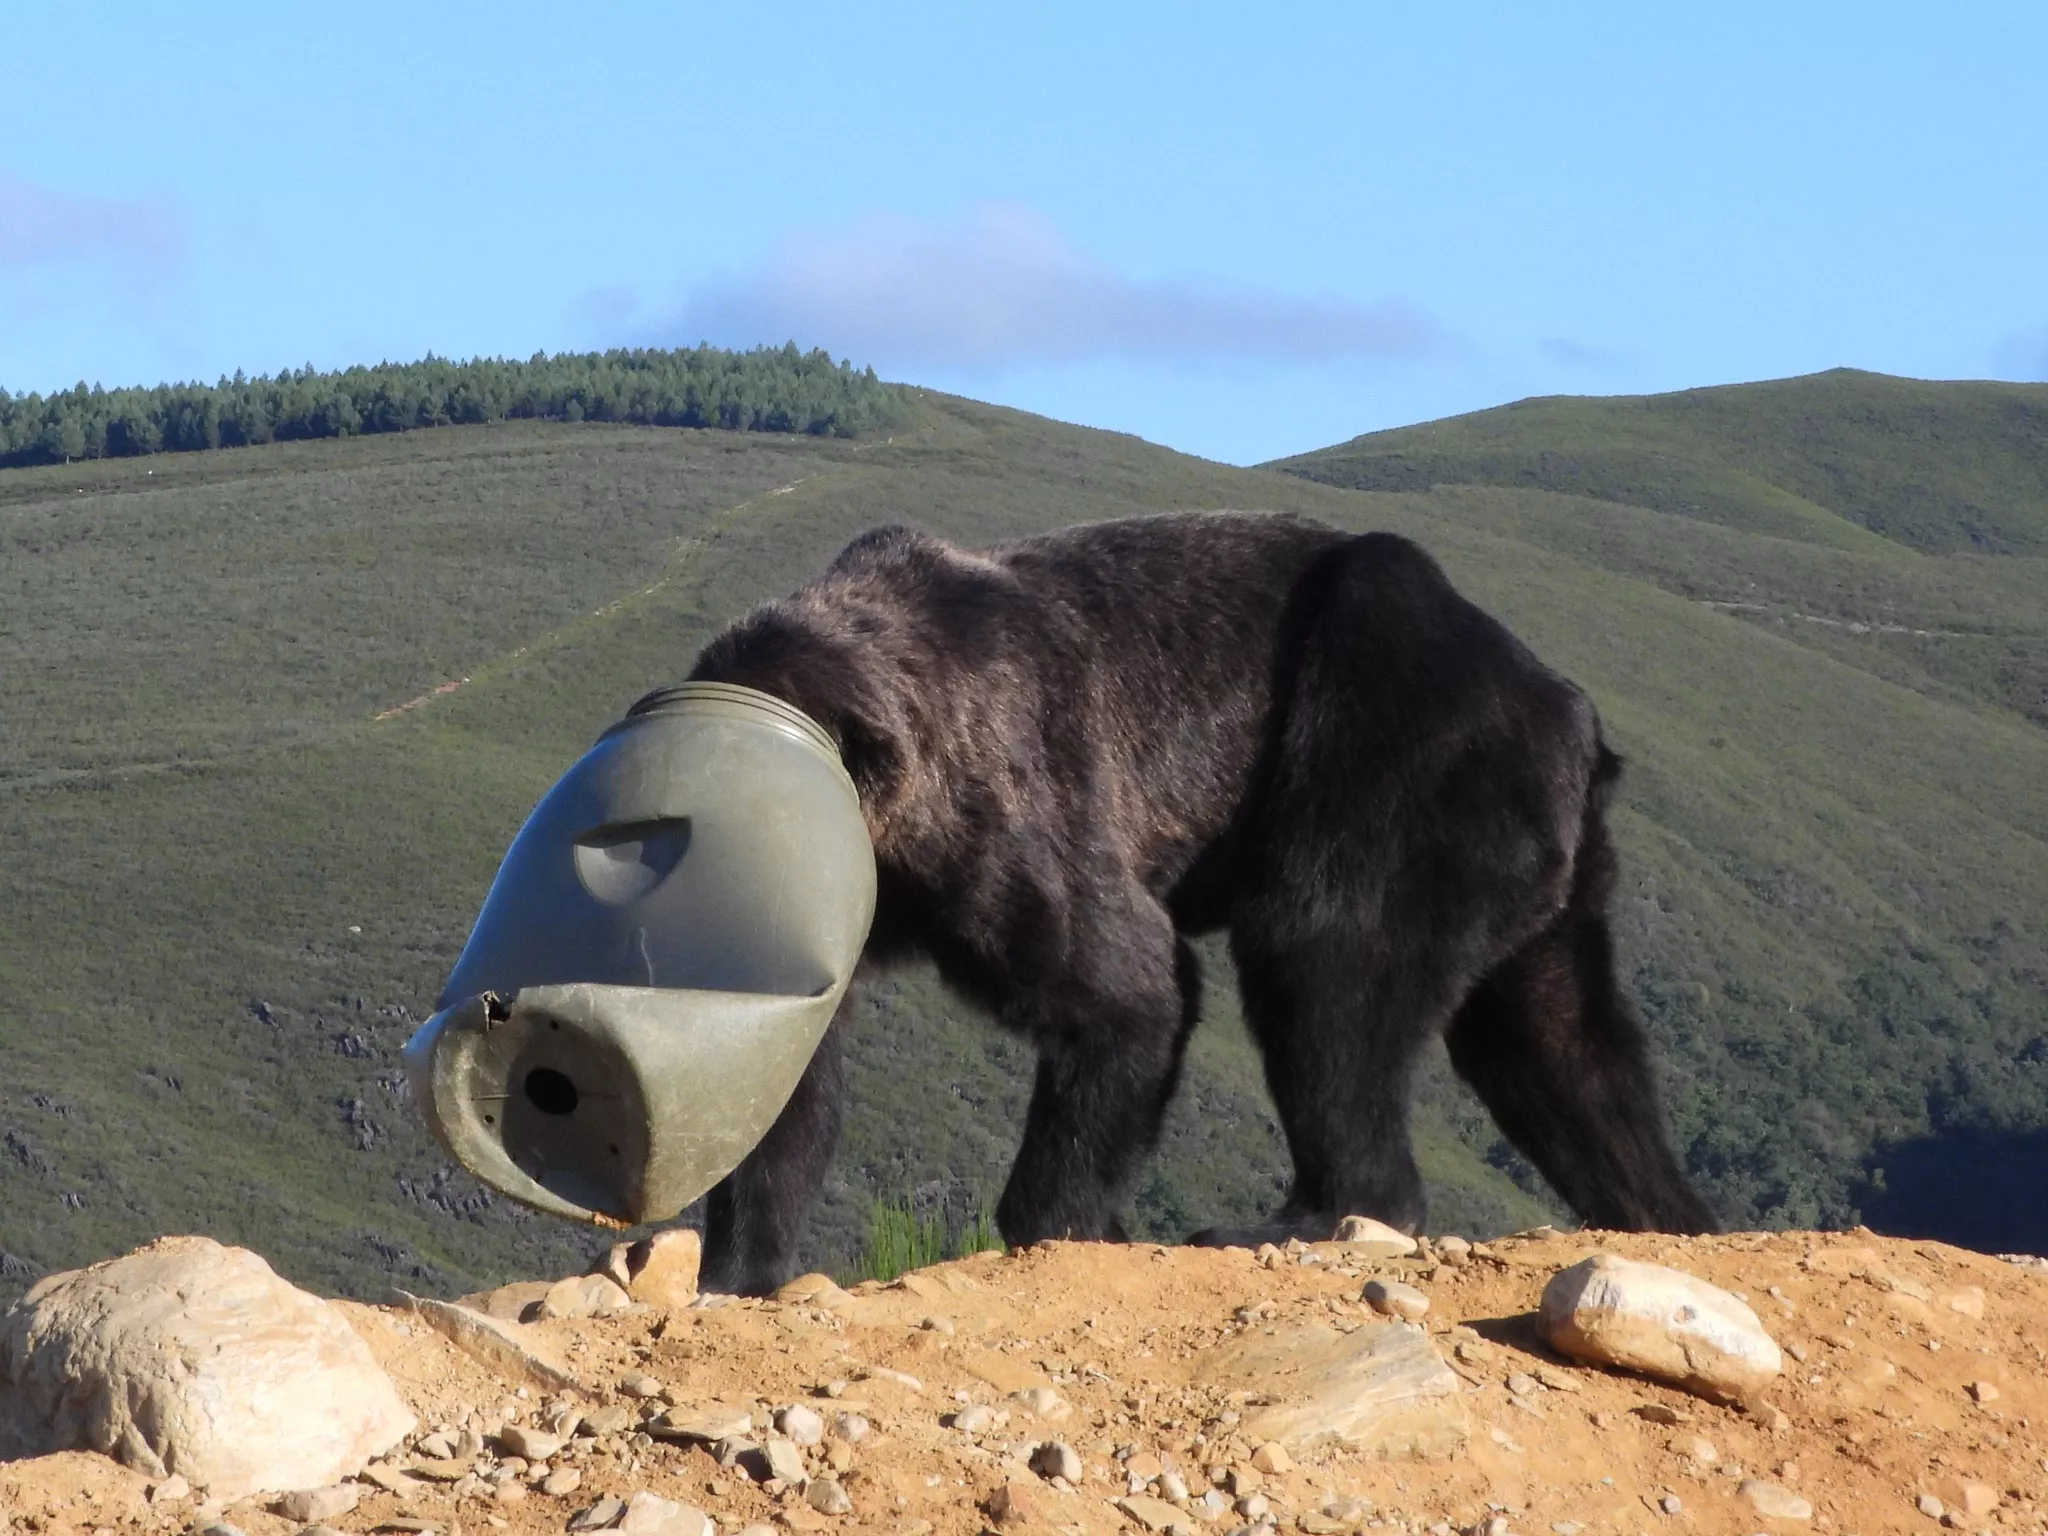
<point>1073,750</point>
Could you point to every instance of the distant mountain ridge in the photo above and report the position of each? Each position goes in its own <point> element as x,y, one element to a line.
<point>1938,467</point>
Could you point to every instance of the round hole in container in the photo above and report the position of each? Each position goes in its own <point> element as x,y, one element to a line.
<point>551,1092</point>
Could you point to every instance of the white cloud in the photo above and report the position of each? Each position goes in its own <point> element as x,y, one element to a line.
<point>42,225</point>
<point>1001,286</point>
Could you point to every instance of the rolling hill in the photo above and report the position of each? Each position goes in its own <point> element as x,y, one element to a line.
<point>268,717</point>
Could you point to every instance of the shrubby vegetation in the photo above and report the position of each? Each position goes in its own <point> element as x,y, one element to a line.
<point>770,389</point>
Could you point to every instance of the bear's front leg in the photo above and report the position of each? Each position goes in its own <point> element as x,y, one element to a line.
<point>1108,1064</point>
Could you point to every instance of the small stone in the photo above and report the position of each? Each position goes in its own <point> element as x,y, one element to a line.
<point>440,1445</point>
<point>1239,1481</point>
<point>1172,1487</point>
<point>785,1462</point>
<point>850,1427</point>
<point>665,1268</point>
<point>600,1516</point>
<point>707,1423</point>
<point>383,1475</point>
<point>608,1420</point>
<point>1154,1514</point>
<point>1253,1507</point>
<point>616,1266</point>
<point>1974,1499</point>
<point>1696,1449</point>
<point>1352,1511</point>
<point>1042,1403</point>
<point>1773,1500</point>
<point>1314,1523</point>
<point>562,1482</point>
<point>827,1497</point>
<point>642,1386</point>
<point>894,1377</point>
<point>441,1471</point>
<point>1522,1384</point>
<point>1143,1466</point>
<point>1454,1251</point>
<point>1983,1391</point>
<point>582,1296</point>
<point>1369,1239</point>
<point>1012,1504</point>
<point>1392,1298</point>
<point>1660,1321</point>
<point>1775,1421</point>
<point>1659,1413</point>
<point>1558,1380</point>
<point>806,1426</point>
<point>531,1444</point>
<point>1272,1459</point>
<point>170,1491</point>
<point>221,1528</point>
<point>309,1505</point>
<point>1671,1504</point>
<point>1930,1506</point>
<point>975,1419</point>
<point>510,1491</point>
<point>1055,1458</point>
<point>649,1514</point>
<point>1969,1301</point>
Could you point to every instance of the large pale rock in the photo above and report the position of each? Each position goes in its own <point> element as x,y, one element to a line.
<point>1382,1390</point>
<point>491,1341</point>
<point>664,1267</point>
<point>1370,1239</point>
<point>1661,1322</point>
<point>187,1357</point>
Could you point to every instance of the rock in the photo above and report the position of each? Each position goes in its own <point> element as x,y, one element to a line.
<point>1969,1301</point>
<point>562,1482</point>
<point>1558,1380</point>
<point>814,1290</point>
<point>532,1444</point>
<point>1973,1499</point>
<point>1983,1392</point>
<point>1659,1413</point>
<point>851,1428</point>
<point>1315,1523</point>
<point>975,1419</point>
<point>608,1420</point>
<point>1012,1504</point>
<point>1172,1486</point>
<point>649,1514</point>
<point>1671,1504</point>
<point>664,1268</point>
<point>806,1426</point>
<point>442,1471</point>
<point>187,1357</point>
<point>711,1421</point>
<point>1661,1322</point>
<point>1253,1506</point>
<point>1155,1514</point>
<point>383,1475</point>
<point>171,1490</point>
<point>600,1516</point>
<point>1272,1459</point>
<point>491,1342</point>
<point>1042,1403</point>
<point>440,1445</point>
<point>785,1462</point>
<point>1390,1298</point>
<point>1930,1506</point>
<point>311,1505</point>
<point>1369,1239</point>
<point>1381,1390</point>
<point>1057,1459</point>
<point>510,1491</point>
<point>642,1386</point>
<point>1773,1501</point>
<point>1696,1449</point>
<point>1454,1251</point>
<point>582,1296</point>
<point>827,1497</point>
<point>616,1265</point>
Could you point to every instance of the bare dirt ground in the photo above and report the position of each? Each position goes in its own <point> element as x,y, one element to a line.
<point>1913,1371</point>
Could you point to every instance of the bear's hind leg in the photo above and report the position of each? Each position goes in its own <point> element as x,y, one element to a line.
<point>1550,1046</point>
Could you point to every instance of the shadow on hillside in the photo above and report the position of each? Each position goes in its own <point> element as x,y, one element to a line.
<point>1986,1190</point>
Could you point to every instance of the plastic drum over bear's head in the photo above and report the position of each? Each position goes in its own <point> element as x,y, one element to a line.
<point>656,962</point>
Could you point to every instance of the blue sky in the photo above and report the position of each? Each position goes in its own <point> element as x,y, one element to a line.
<point>1243,231</point>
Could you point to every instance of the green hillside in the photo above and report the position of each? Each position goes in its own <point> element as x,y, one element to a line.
<point>249,820</point>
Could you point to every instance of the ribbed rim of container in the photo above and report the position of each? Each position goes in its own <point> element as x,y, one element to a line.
<point>722,698</point>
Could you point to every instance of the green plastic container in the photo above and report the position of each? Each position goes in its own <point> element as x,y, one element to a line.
<point>655,964</point>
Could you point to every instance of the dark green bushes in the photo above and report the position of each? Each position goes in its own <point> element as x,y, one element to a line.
<point>770,389</point>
